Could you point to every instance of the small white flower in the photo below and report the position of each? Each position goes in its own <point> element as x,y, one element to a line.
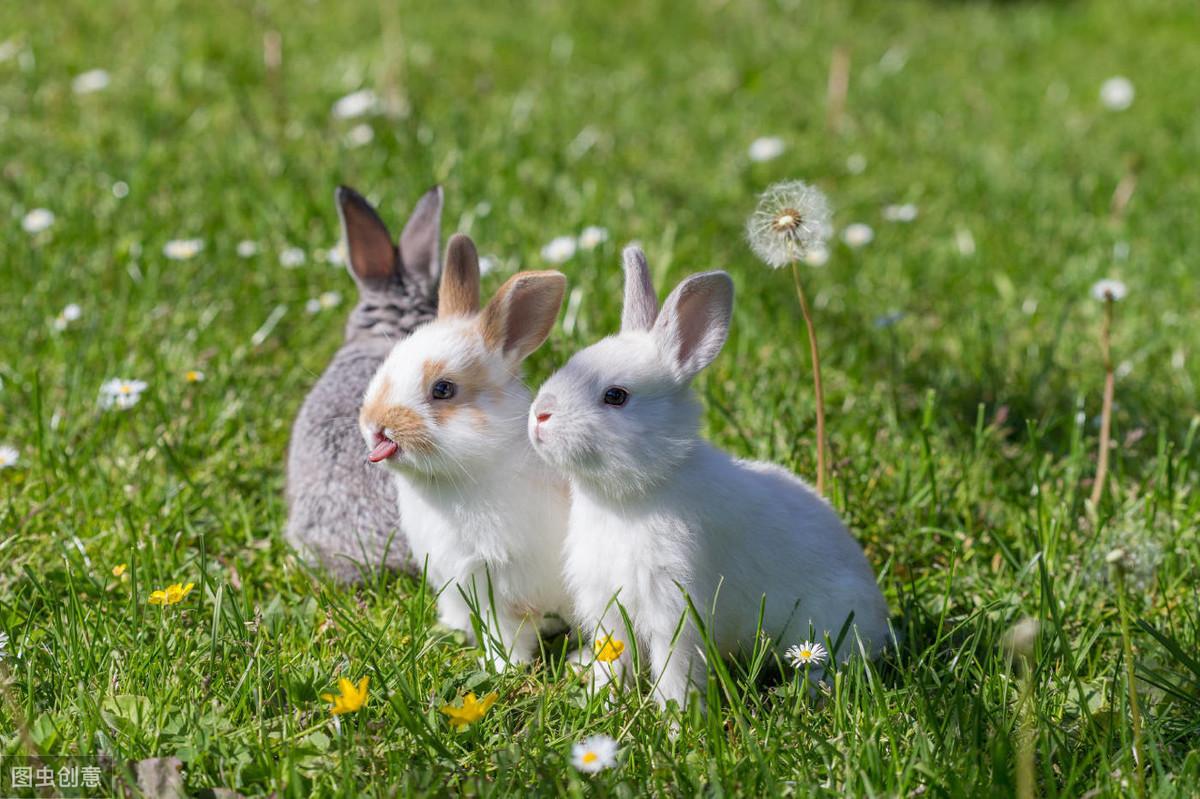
<point>487,265</point>
<point>72,312</point>
<point>900,213</point>
<point>857,235</point>
<point>94,80</point>
<point>360,135</point>
<point>805,654</point>
<point>559,249</point>
<point>1109,289</point>
<point>856,163</point>
<point>791,219</point>
<point>329,299</point>
<point>1124,369</point>
<point>121,393</point>
<point>9,456</point>
<point>313,306</point>
<point>292,257</point>
<point>355,104</point>
<point>965,242</point>
<point>336,255</point>
<point>37,220</point>
<point>592,237</point>
<point>1117,93</point>
<point>247,248</point>
<point>817,256</point>
<point>183,249</point>
<point>120,189</point>
<point>594,754</point>
<point>766,148</point>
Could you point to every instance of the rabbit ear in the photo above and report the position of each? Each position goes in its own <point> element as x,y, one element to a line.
<point>420,238</point>
<point>459,292</point>
<point>694,322</point>
<point>372,256</point>
<point>522,314</point>
<point>641,304</point>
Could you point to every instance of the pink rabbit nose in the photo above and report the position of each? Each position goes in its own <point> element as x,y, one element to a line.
<point>541,417</point>
<point>544,408</point>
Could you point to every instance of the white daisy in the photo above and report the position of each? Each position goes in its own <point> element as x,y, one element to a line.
<point>559,249</point>
<point>336,255</point>
<point>37,220</point>
<point>817,256</point>
<point>193,376</point>
<point>355,104</point>
<point>857,235</point>
<point>766,148</point>
<point>487,265</point>
<point>900,213</point>
<point>312,306</point>
<point>791,219</point>
<point>1117,93</point>
<point>805,654</point>
<point>592,237</point>
<point>292,257</point>
<point>94,80</point>
<point>594,754</point>
<point>121,393</point>
<point>9,456</point>
<point>360,135</point>
<point>247,248</point>
<point>183,249</point>
<point>72,312</point>
<point>1109,289</point>
<point>329,299</point>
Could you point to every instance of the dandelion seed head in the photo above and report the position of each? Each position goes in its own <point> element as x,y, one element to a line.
<point>792,219</point>
<point>355,104</point>
<point>766,148</point>
<point>1131,548</point>
<point>37,220</point>
<point>360,135</point>
<point>247,248</point>
<point>120,190</point>
<point>858,235</point>
<point>1117,93</point>
<point>1109,289</point>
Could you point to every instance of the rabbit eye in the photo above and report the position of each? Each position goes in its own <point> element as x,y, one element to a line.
<point>443,390</point>
<point>615,395</point>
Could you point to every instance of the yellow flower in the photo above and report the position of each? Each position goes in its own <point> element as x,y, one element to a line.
<point>608,649</point>
<point>472,710</point>
<point>193,376</point>
<point>350,698</point>
<point>172,594</point>
<point>119,569</point>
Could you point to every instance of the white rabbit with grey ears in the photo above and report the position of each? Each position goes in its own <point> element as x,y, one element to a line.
<point>446,414</point>
<point>656,509</point>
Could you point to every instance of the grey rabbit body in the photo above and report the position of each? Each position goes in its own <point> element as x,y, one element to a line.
<point>342,512</point>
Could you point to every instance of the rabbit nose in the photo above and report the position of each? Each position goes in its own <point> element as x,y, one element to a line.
<point>541,417</point>
<point>545,406</point>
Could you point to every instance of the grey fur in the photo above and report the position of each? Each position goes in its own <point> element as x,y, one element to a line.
<point>342,513</point>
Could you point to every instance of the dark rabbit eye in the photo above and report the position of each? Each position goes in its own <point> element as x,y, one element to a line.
<point>443,390</point>
<point>615,395</point>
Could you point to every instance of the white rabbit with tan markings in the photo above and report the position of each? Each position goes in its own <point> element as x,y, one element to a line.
<point>446,414</point>
<point>657,511</point>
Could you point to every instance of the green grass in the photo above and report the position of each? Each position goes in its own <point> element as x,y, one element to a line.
<point>961,460</point>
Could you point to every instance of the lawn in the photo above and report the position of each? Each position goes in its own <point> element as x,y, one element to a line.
<point>961,359</point>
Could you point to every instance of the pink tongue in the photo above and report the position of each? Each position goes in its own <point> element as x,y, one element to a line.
<point>383,450</point>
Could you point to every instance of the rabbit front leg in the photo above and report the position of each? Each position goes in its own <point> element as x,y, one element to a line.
<point>677,667</point>
<point>509,638</point>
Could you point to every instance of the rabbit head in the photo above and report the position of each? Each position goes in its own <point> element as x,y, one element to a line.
<point>620,415</point>
<point>449,399</point>
<point>397,282</point>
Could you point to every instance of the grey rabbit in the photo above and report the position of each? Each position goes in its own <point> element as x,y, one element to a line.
<point>342,512</point>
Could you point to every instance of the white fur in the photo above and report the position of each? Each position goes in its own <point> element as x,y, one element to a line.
<point>656,509</point>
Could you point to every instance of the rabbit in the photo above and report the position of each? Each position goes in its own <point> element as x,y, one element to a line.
<point>342,513</point>
<point>656,509</point>
<point>445,415</point>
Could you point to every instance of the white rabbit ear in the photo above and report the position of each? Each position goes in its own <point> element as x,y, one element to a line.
<point>641,304</point>
<point>694,322</point>
<point>420,239</point>
<point>522,314</point>
<point>372,256</point>
<point>458,294</point>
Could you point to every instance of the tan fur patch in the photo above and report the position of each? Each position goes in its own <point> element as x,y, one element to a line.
<point>458,294</point>
<point>472,381</point>
<point>406,426</point>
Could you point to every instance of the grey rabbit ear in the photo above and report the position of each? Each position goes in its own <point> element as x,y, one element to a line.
<point>459,291</point>
<point>641,304</point>
<point>371,254</point>
<point>694,322</point>
<point>420,239</point>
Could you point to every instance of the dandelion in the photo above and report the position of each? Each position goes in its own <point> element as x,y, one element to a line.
<point>350,698</point>
<point>857,235</point>
<point>608,649</point>
<point>1109,291</point>
<point>121,393</point>
<point>900,213</point>
<point>183,249</point>
<point>594,754</point>
<point>1117,93</point>
<point>806,654</point>
<point>766,148</point>
<point>119,569</point>
<point>120,190</point>
<point>1020,641</point>
<point>9,456</point>
<point>193,376</point>
<point>355,104</point>
<point>360,135</point>
<point>291,258</point>
<point>171,595</point>
<point>247,248</point>
<point>592,237</point>
<point>37,220</point>
<point>471,710</point>
<point>791,222</point>
<point>559,250</point>
<point>94,80</point>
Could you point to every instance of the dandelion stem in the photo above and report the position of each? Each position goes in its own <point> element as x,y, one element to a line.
<point>1106,409</point>
<point>816,366</point>
<point>1135,713</point>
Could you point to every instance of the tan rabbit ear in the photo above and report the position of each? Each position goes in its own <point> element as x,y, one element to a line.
<point>420,239</point>
<point>372,256</point>
<point>458,294</point>
<point>694,322</point>
<point>522,314</point>
<point>641,304</point>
